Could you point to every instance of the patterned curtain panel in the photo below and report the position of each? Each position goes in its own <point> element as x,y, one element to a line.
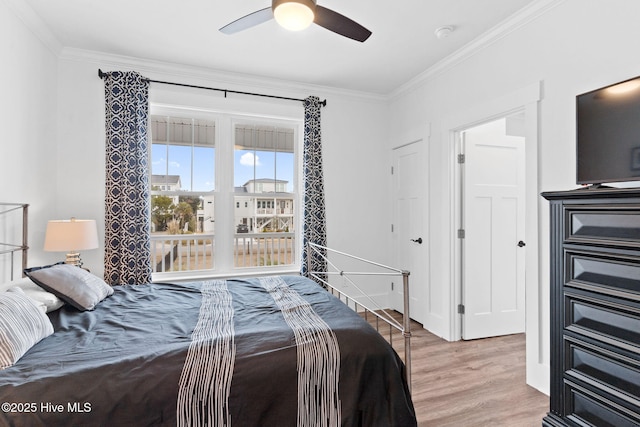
<point>127,207</point>
<point>314,221</point>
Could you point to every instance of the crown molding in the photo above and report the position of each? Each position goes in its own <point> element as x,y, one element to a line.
<point>181,73</point>
<point>35,24</point>
<point>516,21</point>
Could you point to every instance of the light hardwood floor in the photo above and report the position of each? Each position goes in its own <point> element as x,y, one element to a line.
<point>473,383</point>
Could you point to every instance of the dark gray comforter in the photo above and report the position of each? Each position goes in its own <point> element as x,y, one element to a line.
<point>150,354</point>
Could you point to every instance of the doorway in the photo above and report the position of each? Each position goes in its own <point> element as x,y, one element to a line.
<point>526,100</point>
<point>492,229</point>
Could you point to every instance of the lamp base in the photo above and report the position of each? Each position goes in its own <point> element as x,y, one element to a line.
<point>73,258</point>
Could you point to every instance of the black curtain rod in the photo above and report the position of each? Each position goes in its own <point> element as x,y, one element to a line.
<point>102,75</point>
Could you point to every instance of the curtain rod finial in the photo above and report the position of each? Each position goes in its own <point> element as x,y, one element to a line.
<point>321,103</point>
<point>100,73</point>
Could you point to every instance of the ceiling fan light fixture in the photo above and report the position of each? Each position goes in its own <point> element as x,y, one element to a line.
<point>294,15</point>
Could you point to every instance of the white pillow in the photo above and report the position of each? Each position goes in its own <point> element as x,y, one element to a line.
<point>48,301</point>
<point>22,325</point>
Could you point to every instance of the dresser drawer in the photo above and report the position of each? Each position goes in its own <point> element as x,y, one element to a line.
<point>603,370</point>
<point>610,225</point>
<point>609,320</point>
<point>604,273</point>
<point>586,408</point>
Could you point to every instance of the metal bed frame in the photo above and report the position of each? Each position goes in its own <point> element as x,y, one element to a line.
<point>371,306</point>
<point>11,248</point>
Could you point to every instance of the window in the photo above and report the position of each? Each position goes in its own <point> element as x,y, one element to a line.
<point>264,171</point>
<point>223,194</point>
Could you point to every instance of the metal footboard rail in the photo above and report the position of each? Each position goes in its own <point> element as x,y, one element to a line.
<point>12,248</point>
<point>371,306</point>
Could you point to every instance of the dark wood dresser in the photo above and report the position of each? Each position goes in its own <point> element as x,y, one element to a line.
<point>595,308</point>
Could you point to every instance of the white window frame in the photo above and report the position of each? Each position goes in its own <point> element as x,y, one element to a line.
<point>224,190</point>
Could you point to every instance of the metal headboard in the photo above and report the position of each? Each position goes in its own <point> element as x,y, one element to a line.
<point>12,248</point>
<point>371,306</point>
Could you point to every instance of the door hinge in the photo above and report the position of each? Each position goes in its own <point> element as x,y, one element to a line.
<point>461,233</point>
<point>391,170</point>
<point>392,228</point>
<point>461,158</point>
<point>392,286</point>
<point>460,309</point>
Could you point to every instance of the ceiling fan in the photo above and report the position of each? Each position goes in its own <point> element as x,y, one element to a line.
<point>297,15</point>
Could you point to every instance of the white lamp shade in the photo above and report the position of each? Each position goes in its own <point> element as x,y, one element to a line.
<point>294,15</point>
<point>71,235</point>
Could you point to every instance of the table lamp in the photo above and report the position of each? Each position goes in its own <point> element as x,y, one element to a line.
<point>71,236</point>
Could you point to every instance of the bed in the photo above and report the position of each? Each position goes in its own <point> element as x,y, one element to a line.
<point>263,351</point>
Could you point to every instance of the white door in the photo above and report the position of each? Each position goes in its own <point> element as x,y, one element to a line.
<point>410,241</point>
<point>493,290</point>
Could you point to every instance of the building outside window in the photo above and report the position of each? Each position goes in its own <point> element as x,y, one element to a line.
<point>223,194</point>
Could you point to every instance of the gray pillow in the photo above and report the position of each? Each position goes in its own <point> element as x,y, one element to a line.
<point>72,284</point>
<point>22,325</point>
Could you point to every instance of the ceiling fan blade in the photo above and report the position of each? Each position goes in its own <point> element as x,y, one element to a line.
<point>248,21</point>
<point>340,24</point>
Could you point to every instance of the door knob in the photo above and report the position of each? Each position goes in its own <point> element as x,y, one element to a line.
<point>418,240</point>
<point>521,244</point>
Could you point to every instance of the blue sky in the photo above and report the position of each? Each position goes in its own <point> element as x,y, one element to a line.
<point>264,164</point>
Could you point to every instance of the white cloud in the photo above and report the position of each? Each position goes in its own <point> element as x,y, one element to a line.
<point>248,159</point>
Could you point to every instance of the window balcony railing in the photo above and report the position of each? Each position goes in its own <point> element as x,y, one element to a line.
<point>273,211</point>
<point>264,249</point>
<point>182,252</point>
<point>192,252</point>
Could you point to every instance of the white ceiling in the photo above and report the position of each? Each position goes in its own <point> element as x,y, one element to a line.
<point>403,44</point>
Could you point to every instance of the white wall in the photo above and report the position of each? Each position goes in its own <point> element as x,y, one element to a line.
<point>28,151</point>
<point>573,47</point>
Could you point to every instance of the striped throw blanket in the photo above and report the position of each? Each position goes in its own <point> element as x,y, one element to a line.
<point>207,375</point>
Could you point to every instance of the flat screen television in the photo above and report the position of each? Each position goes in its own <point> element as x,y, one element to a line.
<point>608,134</point>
